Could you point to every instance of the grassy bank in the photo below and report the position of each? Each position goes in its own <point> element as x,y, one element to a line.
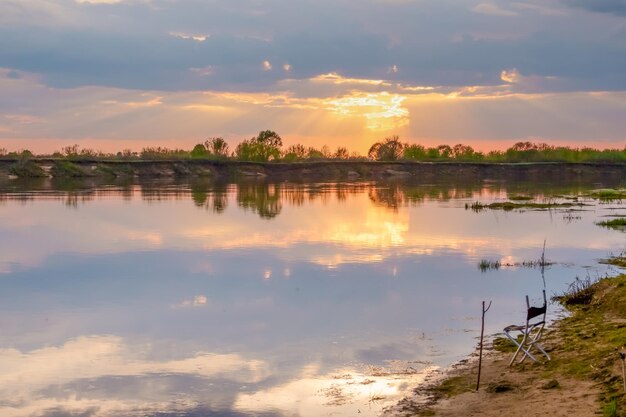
<point>590,340</point>
<point>586,366</point>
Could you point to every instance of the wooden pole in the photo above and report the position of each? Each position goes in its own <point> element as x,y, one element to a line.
<point>482,333</point>
<point>622,355</point>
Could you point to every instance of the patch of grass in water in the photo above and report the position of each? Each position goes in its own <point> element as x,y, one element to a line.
<point>509,206</point>
<point>486,265</point>
<point>608,194</point>
<point>617,223</point>
<point>619,260</point>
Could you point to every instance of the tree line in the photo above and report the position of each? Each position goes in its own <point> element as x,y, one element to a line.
<point>268,146</point>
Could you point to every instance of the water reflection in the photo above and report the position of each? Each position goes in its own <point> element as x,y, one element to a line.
<point>262,199</point>
<point>210,195</point>
<point>102,375</point>
<point>266,199</point>
<point>204,298</point>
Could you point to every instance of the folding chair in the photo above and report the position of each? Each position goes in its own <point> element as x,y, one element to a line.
<point>530,332</point>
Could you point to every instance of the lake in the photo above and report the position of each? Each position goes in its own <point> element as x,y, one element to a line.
<point>197,298</point>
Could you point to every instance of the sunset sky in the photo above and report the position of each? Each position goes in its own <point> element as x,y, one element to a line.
<point>114,74</point>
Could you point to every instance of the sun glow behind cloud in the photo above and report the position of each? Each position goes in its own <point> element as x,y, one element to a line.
<point>350,79</point>
<point>318,110</point>
<point>382,111</point>
<point>335,78</point>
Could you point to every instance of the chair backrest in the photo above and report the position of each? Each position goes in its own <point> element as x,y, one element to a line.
<point>536,311</point>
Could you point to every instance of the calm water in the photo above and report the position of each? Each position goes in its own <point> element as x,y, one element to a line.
<point>261,299</point>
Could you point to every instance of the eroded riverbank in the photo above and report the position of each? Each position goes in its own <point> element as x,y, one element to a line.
<point>320,170</point>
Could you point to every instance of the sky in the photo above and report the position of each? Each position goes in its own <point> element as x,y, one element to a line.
<point>116,74</point>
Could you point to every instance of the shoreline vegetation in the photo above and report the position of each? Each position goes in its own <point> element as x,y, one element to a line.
<point>265,155</point>
<point>584,377</point>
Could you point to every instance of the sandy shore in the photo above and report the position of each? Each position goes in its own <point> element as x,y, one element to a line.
<point>518,391</point>
<point>584,377</point>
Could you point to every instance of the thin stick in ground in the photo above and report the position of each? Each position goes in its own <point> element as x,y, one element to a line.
<point>482,332</point>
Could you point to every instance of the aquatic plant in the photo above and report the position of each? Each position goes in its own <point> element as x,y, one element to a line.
<point>486,265</point>
<point>509,206</point>
<point>608,194</point>
<point>618,223</point>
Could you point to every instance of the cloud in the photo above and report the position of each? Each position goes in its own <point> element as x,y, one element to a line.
<point>160,42</point>
<point>617,7</point>
<point>382,111</point>
<point>197,301</point>
<point>335,78</point>
<point>98,1</point>
<point>510,76</point>
<point>235,66</point>
<point>23,119</point>
<point>493,9</point>
<point>46,13</point>
<point>312,111</point>
<point>197,38</point>
<point>13,74</point>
